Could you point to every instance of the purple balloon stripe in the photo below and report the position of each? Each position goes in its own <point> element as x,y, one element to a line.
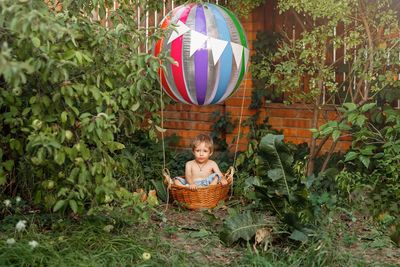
<point>201,58</point>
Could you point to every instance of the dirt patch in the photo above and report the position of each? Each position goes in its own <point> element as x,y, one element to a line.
<point>196,231</point>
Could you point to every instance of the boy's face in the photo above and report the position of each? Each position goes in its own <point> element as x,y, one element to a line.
<point>202,153</point>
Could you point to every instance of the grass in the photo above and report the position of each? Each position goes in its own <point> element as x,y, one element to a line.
<point>180,238</point>
<point>90,241</point>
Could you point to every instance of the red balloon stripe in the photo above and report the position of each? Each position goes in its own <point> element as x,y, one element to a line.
<point>157,51</point>
<point>176,53</point>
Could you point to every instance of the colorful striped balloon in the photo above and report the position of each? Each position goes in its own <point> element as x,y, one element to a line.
<point>211,52</point>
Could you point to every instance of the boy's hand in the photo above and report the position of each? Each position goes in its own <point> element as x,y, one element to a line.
<point>228,178</point>
<point>192,186</point>
<point>224,181</point>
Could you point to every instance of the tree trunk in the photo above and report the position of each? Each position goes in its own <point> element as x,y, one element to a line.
<point>313,142</point>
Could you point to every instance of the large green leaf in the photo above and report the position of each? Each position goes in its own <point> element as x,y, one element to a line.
<point>241,226</point>
<point>160,189</point>
<point>280,159</point>
<point>350,156</point>
<point>298,236</point>
<point>276,174</point>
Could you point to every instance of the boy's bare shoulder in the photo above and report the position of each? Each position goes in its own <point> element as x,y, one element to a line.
<point>189,163</point>
<point>212,162</point>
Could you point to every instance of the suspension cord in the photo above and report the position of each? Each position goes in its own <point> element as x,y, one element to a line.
<point>164,169</point>
<point>239,131</point>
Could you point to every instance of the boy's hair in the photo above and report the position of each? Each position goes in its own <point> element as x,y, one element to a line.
<point>203,138</point>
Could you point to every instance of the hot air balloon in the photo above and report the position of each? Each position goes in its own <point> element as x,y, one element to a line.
<point>210,50</point>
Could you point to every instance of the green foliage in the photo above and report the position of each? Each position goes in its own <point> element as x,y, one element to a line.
<point>280,187</point>
<point>258,130</point>
<point>262,160</point>
<point>262,67</point>
<point>131,171</point>
<point>327,10</point>
<point>374,156</point>
<point>279,162</point>
<point>103,5</point>
<point>370,82</point>
<point>305,57</point>
<point>249,163</point>
<point>319,253</point>
<point>222,126</point>
<point>306,70</point>
<point>71,93</point>
<point>273,178</point>
<point>241,8</point>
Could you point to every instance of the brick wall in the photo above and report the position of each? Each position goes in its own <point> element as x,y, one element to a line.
<point>295,120</point>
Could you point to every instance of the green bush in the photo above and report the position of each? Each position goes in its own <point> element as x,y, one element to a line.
<point>372,163</point>
<point>71,93</point>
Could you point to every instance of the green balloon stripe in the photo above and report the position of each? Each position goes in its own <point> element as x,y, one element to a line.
<point>238,26</point>
<point>243,43</point>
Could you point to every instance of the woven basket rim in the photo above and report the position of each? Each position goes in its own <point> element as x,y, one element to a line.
<point>180,187</point>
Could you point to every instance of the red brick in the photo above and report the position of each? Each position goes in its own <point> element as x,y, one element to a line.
<point>328,115</point>
<point>289,113</point>
<point>276,122</point>
<point>190,116</point>
<point>235,111</point>
<point>243,131</point>
<point>290,132</point>
<point>298,123</point>
<point>303,133</point>
<point>237,101</point>
<point>345,137</point>
<point>187,125</point>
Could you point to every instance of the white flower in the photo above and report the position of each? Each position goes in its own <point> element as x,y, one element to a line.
<point>33,244</point>
<point>21,225</point>
<point>10,241</point>
<point>108,228</point>
<point>18,199</point>
<point>146,256</point>
<point>7,203</point>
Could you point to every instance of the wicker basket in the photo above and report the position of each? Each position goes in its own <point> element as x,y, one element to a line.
<point>203,197</point>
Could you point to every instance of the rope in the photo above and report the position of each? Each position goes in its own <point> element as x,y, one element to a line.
<point>165,171</point>
<point>239,130</point>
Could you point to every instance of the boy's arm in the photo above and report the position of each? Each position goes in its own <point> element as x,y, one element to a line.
<point>217,170</point>
<point>188,175</point>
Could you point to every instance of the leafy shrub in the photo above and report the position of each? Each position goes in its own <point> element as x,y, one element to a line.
<point>275,181</point>
<point>265,46</point>
<point>373,161</point>
<point>222,126</point>
<point>142,161</point>
<point>71,93</point>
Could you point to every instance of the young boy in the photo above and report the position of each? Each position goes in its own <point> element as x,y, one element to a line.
<point>202,171</point>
